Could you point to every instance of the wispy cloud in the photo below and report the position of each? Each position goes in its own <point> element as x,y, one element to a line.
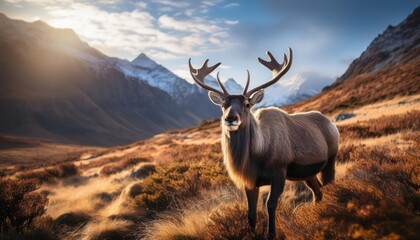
<point>40,2</point>
<point>184,73</point>
<point>141,4</point>
<point>231,31</point>
<point>230,5</point>
<point>198,26</point>
<point>230,22</point>
<point>211,2</point>
<point>163,29</point>
<point>178,4</point>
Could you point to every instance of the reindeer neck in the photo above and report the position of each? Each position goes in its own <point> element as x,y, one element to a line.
<point>240,144</point>
<point>238,148</point>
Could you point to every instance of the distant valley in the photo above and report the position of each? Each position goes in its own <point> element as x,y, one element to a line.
<point>56,87</point>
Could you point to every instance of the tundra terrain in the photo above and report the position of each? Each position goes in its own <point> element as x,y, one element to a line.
<point>174,185</point>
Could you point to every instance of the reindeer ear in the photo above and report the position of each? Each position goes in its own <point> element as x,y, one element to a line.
<point>257,97</point>
<point>216,98</point>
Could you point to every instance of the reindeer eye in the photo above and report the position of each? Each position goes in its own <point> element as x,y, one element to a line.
<point>248,105</point>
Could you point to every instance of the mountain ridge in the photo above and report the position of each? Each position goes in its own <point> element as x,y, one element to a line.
<point>62,89</point>
<point>389,47</point>
<point>387,68</point>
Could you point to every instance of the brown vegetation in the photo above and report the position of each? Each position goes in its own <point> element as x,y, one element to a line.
<point>227,222</point>
<point>121,165</point>
<point>51,174</point>
<point>20,205</point>
<point>363,89</point>
<point>26,153</point>
<point>192,153</point>
<point>179,182</point>
<point>144,171</point>
<point>180,191</point>
<point>377,197</point>
<point>381,126</point>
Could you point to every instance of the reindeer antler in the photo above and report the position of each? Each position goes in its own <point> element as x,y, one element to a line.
<point>199,74</point>
<point>278,70</point>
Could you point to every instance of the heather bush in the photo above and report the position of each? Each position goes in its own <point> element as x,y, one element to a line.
<point>179,181</point>
<point>381,126</point>
<point>41,176</point>
<point>51,174</point>
<point>193,153</point>
<point>143,171</point>
<point>229,221</point>
<point>20,204</point>
<point>377,199</point>
<point>121,165</point>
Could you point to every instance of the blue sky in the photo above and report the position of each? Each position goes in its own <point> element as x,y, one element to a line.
<point>326,35</point>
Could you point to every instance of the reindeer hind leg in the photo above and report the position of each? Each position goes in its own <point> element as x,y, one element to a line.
<point>315,186</point>
<point>328,173</point>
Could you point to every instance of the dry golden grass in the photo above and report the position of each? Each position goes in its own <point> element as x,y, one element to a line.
<point>50,174</point>
<point>189,195</point>
<point>382,126</point>
<point>20,154</point>
<point>364,89</point>
<point>395,106</point>
<point>179,182</point>
<point>376,188</point>
<point>378,196</point>
<point>188,220</point>
<point>121,165</point>
<point>105,230</point>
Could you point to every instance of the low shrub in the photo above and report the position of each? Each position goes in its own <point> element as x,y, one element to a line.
<point>50,174</point>
<point>121,165</point>
<point>143,171</point>
<point>381,126</point>
<point>43,228</point>
<point>179,181</point>
<point>193,153</point>
<point>230,221</point>
<point>377,199</point>
<point>73,219</point>
<point>20,204</point>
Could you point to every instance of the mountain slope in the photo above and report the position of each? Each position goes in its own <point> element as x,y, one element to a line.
<point>189,96</point>
<point>55,86</point>
<point>389,67</point>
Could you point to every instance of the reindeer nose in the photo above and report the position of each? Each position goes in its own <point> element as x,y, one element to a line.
<point>231,119</point>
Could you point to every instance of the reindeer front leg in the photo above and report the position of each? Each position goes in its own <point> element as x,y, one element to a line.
<point>277,185</point>
<point>252,196</point>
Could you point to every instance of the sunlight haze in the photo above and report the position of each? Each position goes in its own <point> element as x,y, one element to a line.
<point>325,35</point>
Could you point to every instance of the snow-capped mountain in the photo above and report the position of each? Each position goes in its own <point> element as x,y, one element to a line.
<point>76,94</point>
<point>144,61</point>
<point>294,89</point>
<point>188,95</point>
<point>156,75</point>
<point>231,85</point>
<point>284,92</point>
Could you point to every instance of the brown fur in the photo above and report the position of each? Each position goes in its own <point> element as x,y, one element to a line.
<point>269,146</point>
<point>271,139</point>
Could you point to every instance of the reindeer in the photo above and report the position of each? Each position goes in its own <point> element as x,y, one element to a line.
<point>268,146</point>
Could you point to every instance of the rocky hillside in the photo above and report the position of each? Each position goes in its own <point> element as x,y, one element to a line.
<point>389,67</point>
<point>393,47</point>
